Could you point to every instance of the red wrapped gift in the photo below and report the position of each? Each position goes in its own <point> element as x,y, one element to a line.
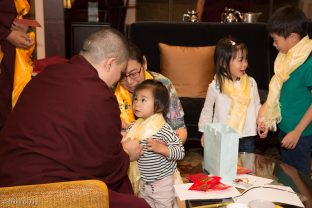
<point>201,177</point>
<point>203,182</point>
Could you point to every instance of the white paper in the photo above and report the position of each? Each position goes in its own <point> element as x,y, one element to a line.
<point>250,180</point>
<point>273,193</point>
<point>183,193</point>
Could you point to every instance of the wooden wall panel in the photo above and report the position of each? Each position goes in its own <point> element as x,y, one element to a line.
<point>54,27</point>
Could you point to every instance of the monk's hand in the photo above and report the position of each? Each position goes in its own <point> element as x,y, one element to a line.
<point>133,148</point>
<point>19,27</point>
<point>157,146</point>
<point>20,39</point>
<point>291,139</point>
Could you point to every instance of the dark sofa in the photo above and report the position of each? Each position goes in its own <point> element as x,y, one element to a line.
<point>261,56</point>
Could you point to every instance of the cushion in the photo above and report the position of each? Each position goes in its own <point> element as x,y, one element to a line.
<point>190,69</point>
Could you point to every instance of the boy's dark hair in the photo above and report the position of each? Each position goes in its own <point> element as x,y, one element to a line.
<point>160,93</point>
<point>286,20</point>
<point>226,50</point>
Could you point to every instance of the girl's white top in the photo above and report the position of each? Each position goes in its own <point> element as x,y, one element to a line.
<point>217,106</point>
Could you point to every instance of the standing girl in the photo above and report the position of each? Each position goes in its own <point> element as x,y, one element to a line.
<point>232,97</point>
<point>162,147</point>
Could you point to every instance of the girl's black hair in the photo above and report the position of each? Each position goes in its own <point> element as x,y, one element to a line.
<point>226,50</point>
<point>160,93</point>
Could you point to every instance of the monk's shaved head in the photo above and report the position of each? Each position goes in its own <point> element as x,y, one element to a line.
<point>105,43</point>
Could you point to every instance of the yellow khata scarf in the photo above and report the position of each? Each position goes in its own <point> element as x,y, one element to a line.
<point>142,129</point>
<point>22,7</point>
<point>23,62</point>
<point>1,55</point>
<point>124,99</point>
<point>284,65</point>
<point>240,98</point>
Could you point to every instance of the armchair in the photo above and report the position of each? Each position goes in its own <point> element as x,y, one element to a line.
<point>72,194</point>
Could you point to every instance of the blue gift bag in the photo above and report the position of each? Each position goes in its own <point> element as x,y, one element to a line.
<point>221,151</point>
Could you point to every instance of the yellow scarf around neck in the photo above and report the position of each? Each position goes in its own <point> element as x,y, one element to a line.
<point>124,98</point>
<point>240,98</point>
<point>23,63</point>
<point>284,65</point>
<point>142,129</point>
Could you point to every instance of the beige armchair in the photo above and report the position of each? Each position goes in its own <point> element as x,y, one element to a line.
<point>73,194</point>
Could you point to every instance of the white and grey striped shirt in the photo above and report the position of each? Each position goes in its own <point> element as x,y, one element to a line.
<point>154,166</point>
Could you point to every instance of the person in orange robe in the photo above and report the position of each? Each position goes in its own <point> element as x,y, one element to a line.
<point>12,36</point>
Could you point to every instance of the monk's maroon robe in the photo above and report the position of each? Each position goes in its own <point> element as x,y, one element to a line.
<point>7,15</point>
<point>66,126</point>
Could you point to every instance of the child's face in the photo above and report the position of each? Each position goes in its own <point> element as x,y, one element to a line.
<point>238,65</point>
<point>283,44</point>
<point>143,103</point>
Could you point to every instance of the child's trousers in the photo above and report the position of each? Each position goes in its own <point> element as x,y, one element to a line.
<point>300,157</point>
<point>158,194</point>
<point>247,144</point>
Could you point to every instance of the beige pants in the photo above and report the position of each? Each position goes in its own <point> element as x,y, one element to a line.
<point>158,194</point>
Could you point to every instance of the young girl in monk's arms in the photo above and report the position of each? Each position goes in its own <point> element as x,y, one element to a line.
<point>232,97</point>
<point>162,147</point>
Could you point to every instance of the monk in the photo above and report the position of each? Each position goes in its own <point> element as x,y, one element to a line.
<point>66,124</point>
<point>12,36</point>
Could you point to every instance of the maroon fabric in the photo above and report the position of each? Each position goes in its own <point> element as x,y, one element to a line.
<point>66,126</point>
<point>119,200</point>
<point>7,15</point>
<point>214,8</point>
<point>40,64</point>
